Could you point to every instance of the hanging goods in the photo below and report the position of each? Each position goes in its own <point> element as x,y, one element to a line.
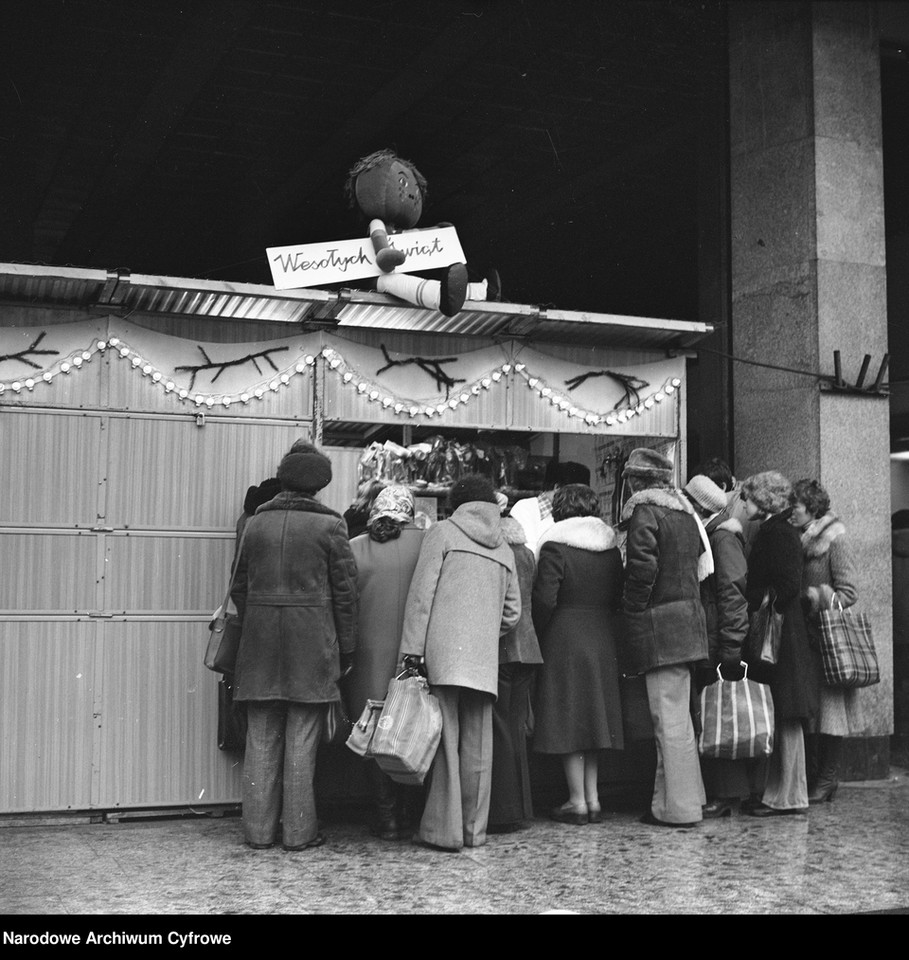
<point>765,633</point>
<point>408,730</point>
<point>225,627</point>
<point>736,719</point>
<point>361,735</point>
<point>847,648</point>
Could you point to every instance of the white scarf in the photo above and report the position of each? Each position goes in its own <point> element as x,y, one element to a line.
<point>705,560</point>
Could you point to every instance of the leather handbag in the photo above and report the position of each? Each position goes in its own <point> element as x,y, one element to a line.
<point>848,656</point>
<point>736,719</point>
<point>408,730</point>
<point>765,633</point>
<point>337,726</point>
<point>360,738</point>
<point>225,627</point>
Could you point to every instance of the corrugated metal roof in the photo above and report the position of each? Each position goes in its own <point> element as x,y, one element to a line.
<point>120,291</point>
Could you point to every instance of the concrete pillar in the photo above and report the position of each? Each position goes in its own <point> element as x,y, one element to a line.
<point>808,278</point>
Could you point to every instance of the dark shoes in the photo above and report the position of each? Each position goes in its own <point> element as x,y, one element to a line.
<point>316,841</point>
<point>823,791</point>
<point>717,808</point>
<point>568,814</point>
<point>453,290</point>
<point>594,814</point>
<point>762,810</point>
<point>652,821</point>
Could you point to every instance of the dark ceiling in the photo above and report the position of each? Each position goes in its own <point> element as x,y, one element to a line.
<point>563,139</point>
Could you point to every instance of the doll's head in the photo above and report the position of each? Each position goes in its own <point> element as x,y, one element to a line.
<point>385,187</point>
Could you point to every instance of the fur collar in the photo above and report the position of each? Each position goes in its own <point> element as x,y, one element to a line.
<point>512,530</point>
<point>586,533</point>
<point>732,524</point>
<point>819,534</point>
<point>666,497</point>
<point>292,500</point>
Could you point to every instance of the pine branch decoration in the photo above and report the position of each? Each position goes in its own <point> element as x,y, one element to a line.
<point>628,383</point>
<point>31,350</point>
<point>432,367</point>
<point>222,365</point>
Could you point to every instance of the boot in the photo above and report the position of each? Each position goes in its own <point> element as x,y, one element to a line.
<point>825,787</point>
<point>385,824</point>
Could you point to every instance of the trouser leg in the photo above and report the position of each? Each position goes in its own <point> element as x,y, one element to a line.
<point>304,730</point>
<point>262,770</point>
<point>787,783</point>
<point>678,791</point>
<point>475,755</point>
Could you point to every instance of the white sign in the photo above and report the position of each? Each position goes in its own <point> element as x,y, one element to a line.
<point>312,264</point>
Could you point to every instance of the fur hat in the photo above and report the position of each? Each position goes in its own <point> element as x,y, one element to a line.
<point>648,464</point>
<point>304,472</point>
<point>706,493</point>
<point>256,496</point>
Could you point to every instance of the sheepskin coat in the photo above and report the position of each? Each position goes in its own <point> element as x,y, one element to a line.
<point>723,592</point>
<point>296,595</point>
<point>577,598</point>
<point>463,596</point>
<point>663,613</point>
<point>776,562</point>
<point>520,644</point>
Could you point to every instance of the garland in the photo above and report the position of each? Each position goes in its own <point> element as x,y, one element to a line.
<point>371,390</point>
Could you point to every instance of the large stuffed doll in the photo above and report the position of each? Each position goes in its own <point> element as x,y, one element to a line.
<point>388,193</point>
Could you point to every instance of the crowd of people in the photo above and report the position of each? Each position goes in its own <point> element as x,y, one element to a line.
<point>525,619</point>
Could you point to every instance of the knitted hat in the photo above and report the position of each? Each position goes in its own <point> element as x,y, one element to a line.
<point>304,472</point>
<point>648,465</point>
<point>704,491</point>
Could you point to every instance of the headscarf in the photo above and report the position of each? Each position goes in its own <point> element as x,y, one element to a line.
<point>394,502</point>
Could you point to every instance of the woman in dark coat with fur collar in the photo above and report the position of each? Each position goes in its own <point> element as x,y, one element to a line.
<point>296,596</point>
<point>576,598</point>
<point>775,562</point>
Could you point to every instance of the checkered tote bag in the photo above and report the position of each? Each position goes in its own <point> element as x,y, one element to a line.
<point>847,649</point>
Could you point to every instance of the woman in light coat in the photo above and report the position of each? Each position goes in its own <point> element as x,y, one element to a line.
<point>464,595</point>
<point>386,556</point>
<point>296,596</point>
<point>828,578</point>
<point>577,598</point>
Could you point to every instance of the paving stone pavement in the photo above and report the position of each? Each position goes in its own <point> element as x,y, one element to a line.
<point>850,856</point>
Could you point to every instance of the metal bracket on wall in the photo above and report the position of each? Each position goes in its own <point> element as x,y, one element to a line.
<point>836,383</point>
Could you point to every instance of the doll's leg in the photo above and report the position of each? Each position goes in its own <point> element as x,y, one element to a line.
<point>447,295</point>
<point>386,256</point>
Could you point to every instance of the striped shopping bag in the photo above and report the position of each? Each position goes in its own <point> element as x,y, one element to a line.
<point>736,719</point>
<point>847,649</point>
<point>408,730</point>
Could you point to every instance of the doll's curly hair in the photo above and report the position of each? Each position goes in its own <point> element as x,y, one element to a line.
<point>373,160</point>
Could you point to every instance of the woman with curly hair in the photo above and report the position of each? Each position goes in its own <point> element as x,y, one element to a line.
<point>828,578</point>
<point>775,564</point>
